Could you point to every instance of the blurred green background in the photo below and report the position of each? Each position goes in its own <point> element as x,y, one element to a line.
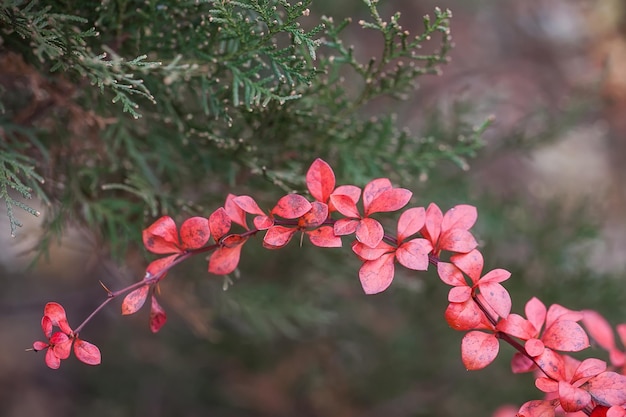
<point>295,335</point>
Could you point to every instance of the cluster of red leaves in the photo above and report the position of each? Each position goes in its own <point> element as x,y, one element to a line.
<point>478,303</point>
<point>59,344</point>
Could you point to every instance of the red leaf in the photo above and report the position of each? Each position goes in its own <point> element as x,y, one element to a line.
<point>195,232</point>
<point>234,212</point>
<point>55,312</point>
<point>315,217</point>
<point>247,204</point>
<point>457,240</point>
<point>464,316</point>
<point>233,240</point>
<point>157,316</point>
<point>370,232</point>
<point>432,224</point>
<point>320,180</point>
<point>46,326</point>
<point>373,189</point>
<point>565,335</point>
<point>558,312</point>
<point>291,206</point>
<point>224,260</point>
<point>344,227</point>
<point>589,368</point>
<point>552,364</point>
<point>459,294</point>
<point>410,222</point>
<point>471,263</point>
<point>496,275</point>
<point>450,274</point>
<point>614,411</point>
<point>39,345</point>
<point>371,254</point>
<point>345,205</point>
<point>278,236</point>
<point>517,326</point>
<point>160,265</point>
<point>572,399</point>
<point>61,344</point>
<point>478,350</point>
<point>534,347</point>
<point>161,237</point>
<point>219,223</point>
<point>135,300</point>
<point>86,352</point>
<point>599,329</point>
<point>521,364</point>
<point>497,297</point>
<point>52,360</point>
<point>351,191</point>
<point>263,222</point>
<point>376,276</point>
<point>547,385</point>
<point>537,408</point>
<point>414,254</point>
<point>324,237</point>
<point>389,200</point>
<point>459,217</point>
<point>536,313</point>
<point>608,388</point>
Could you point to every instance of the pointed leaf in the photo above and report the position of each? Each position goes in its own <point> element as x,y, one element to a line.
<point>552,364</point>
<point>86,352</point>
<point>324,237</point>
<point>365,253</point>
<point>599,329</point>
<point>247,204</point>
<point>414,254</point>
<point>432,224</point>
<point>234,212</point>
<point>370,232</point>
<point>572,399</point>
<point>157,316</point>
<point>536,313</point>
<point>517,326</point>
<point>46,326</point>
<point>496,275</point>
<point>497,297</point>
<point>376,276</point>
<point>160,266</point>
<point>291,206</point>
<point>351,191</point>
<point>459,217</point>
<point>278,236</point>
<point>588,368</point>
<point>345,205</point>
<point>478,349</point>
<point>344,227</point>
<point>537,408</point>
<point>471,263</point>
<point>450,274</point>
<point>373,189</point>
<point>410,222</point>
<point>558,312</point>
<point>314,217</point>
<point>263,222</point>
<point>161,237</point>
<point>547,385</point>
<point>565,335</point>
<point>219,223</point>
<point>195,232</point>
<point>457,240</point>
<point>55,312</point>
<point>389,200</point>
<point>224,260</point>
<point>320,180</point>
<point>608,388</point>
<point>135,300</point>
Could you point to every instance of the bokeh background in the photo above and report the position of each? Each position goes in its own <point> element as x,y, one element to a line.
<point>295,335</point>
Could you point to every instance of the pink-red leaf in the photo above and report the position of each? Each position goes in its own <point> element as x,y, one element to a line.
<point>247,204</point>
<point>291,206</point>
<point>56,313</point>
<point>552,364</point>
<point>314,217</point>
<point>263,222</point>
<point>161,237</point>
<point>588,368</point>
<point>450,274</point>
<point>534,347</point>
<point>373,189</point>
<point>410,222</point>
<point>220,223</point>
<point>366,253</point>
<point>87,352</point>
<point>457,240</point>
<point>345,205</point>
<point>234,212</point>
<point>160,265</point>
<point>52,360</point>
<point>370,232</point>
<point>224,260</point>
<point>459,217</point>
<point>278,236</point>
<point>478,349</point>
<point>135,300</point>
<point>344,227</point>
<point>572,399</point>
<point>414,254</point>
<point>459,294</point>
<point>46,326</point>
<point>61,344</point>
<point>608,388</point>
<point>320,180</point>
<point>324,237</point>
<point>389,200</point>
<point>471,263</point>
<point>537,408</point>
<point>565,335</point>
<point>376,276</point>
<point>521,364</point>
<point>599,329</point>
<point>39,345</point>
<point>351,191</point>
<point>536,313</point>
<point>464,316</point>
<point>517,326</point>
<point>432,224</point>
<point>195,232</point>
<point>497,297</point>
<point>157,316</point>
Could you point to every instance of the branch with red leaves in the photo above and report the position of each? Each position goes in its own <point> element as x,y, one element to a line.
<point>478,302</point>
